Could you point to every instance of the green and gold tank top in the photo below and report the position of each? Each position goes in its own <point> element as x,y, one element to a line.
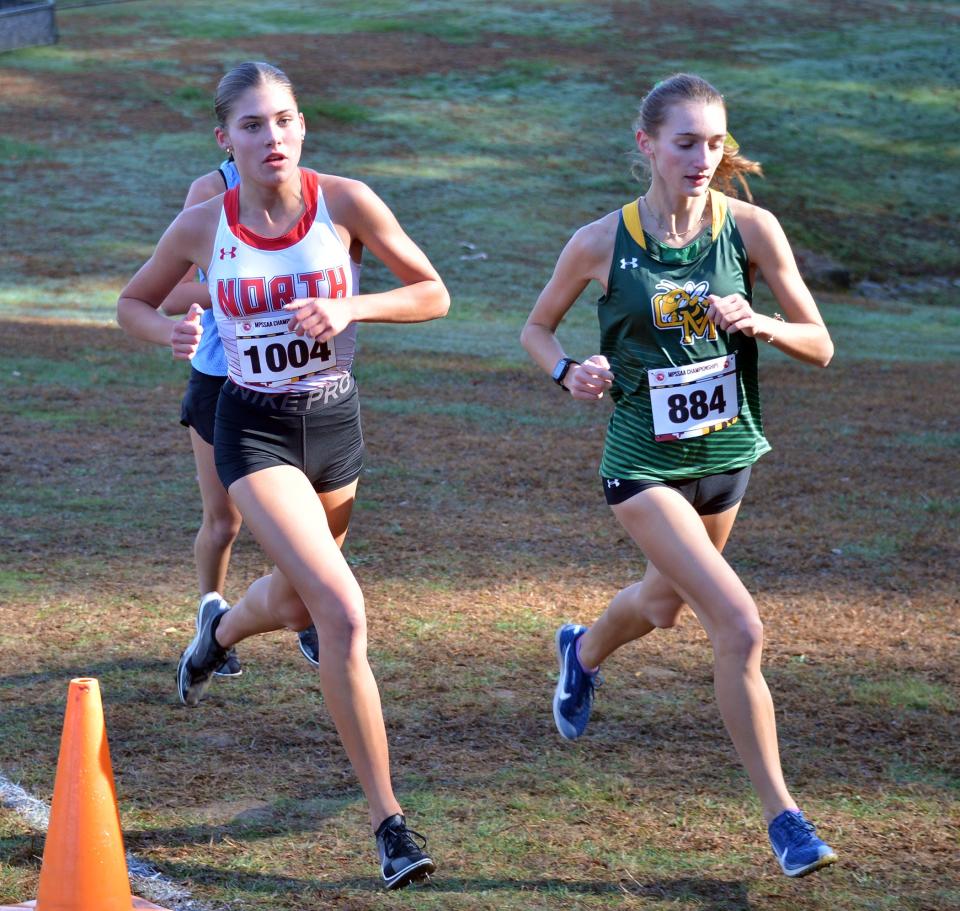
<point>686,395</point>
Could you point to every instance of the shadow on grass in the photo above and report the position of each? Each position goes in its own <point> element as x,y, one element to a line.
<point>68,672</point>
<point>24,851</point>
<point>711,894</point>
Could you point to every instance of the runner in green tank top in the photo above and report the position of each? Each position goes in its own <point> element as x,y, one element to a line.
<point>678,354</point>
<point>679,381</point>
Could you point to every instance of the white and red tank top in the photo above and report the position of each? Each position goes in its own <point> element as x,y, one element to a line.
<point>250,279</point>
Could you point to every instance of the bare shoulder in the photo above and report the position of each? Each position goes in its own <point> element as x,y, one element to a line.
<point>757,225</point>
<point>207,210</point>
<point>344,194</point>
<point>205,187</point>
<point>601,232</point>
<point>198,223</point>
<point>594,241</point>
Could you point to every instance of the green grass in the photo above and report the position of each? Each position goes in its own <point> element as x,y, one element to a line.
<point>853,123</point>
<point>853,143</point>
<point>339,111</point>
<point>16,151</point>
<point>905,693</point>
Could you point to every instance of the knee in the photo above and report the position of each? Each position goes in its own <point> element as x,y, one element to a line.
<point>341,628</point>
<point>740,640</point>
<point>223,528</point>
<point>644,605</point>
<point>659,610</point>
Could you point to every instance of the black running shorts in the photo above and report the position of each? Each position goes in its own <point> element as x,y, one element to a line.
<point>710,495</point>
<point>317,432</point>
<point>199,404</point>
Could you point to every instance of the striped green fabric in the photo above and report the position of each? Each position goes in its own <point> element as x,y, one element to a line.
<point>653,318</point>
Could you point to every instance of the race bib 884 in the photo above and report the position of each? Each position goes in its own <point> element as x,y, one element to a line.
<point>694,399</point>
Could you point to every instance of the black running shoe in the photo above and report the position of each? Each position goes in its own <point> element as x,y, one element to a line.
<point>204,654</point>
<point>231,667</point>
<point>402,860</point>
<point>310,645</point>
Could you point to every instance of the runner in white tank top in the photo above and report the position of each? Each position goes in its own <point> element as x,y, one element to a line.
<point>299,521</point>
<point>251,278</point>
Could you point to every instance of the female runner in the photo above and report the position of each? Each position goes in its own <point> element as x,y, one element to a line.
<point>678,352</point>
<point>282,255</point>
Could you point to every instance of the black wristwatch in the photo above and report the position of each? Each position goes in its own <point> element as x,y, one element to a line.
<point>560,371</point>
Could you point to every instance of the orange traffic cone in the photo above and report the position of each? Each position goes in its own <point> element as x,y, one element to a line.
<point>84,864</point>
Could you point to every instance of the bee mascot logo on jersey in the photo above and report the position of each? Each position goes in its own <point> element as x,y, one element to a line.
<point>683,307</point>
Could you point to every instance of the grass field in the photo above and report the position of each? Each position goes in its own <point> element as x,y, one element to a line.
<point>493,129</point>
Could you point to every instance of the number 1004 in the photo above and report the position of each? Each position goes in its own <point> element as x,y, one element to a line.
<point>279,356</point>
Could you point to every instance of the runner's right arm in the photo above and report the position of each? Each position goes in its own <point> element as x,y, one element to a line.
<point>585,257</point>
<point>190,291</point>
<point>137,307</point>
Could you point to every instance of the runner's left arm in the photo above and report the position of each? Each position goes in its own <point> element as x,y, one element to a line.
<point>421,296</point>
<point>802,333</point>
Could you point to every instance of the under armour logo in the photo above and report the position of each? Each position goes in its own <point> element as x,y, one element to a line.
<point>613,482</point>
<point>224,253</point>
<point>632,263</point>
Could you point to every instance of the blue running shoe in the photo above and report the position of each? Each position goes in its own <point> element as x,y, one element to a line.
<point>796,845</point>
<point>573,697</point>
<point>231,667</point>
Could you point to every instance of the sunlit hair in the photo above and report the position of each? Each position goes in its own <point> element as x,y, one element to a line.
<point>242,77</point>
<point>655,109</point>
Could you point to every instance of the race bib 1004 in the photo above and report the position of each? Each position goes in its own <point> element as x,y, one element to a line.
<point>270,354</point>
<point>694,399</point>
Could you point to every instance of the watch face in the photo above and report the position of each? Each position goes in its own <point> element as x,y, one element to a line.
<point>562,366</point>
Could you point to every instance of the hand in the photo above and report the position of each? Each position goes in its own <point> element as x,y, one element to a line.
<point>319,317</point>
<point>732,314</point>
<point>186,333</point>
<point>589,380</point>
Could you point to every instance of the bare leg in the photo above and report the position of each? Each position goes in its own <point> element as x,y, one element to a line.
<point>221,521</point>
<point>269,605</point>
<point>677,543</point>
<point>288,519</point>
<point>652,603</point>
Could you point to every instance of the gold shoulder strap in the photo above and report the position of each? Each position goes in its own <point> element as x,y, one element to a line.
<point>631,219</point>
<point>718,205</point>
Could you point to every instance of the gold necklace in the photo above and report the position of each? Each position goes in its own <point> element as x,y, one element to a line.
<point>663,227</point>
